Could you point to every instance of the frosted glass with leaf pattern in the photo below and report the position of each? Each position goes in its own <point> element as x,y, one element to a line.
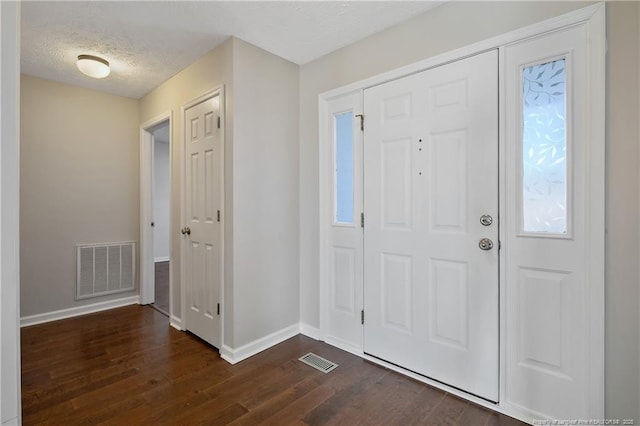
<point>544,148</point>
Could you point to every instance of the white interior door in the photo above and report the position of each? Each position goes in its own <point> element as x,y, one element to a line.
<point>203,231</point>
<point>430,199</point>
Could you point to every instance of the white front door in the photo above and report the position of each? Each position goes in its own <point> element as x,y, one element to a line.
<point>431,215</point>
<point>203,232</point>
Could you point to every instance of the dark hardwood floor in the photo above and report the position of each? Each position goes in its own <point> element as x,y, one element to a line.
<point>128,367</point>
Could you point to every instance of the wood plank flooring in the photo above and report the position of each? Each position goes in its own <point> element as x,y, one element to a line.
<point>128,367</point>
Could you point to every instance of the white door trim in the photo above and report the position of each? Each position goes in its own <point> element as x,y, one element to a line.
<point>217,91</point>
<point>594,17</point>
<point>597,175</point>
<point>147,272</point>
<point>10,386</point>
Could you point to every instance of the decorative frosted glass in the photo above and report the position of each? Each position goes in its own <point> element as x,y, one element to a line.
<point>344,167</point>
<point>544,148</point>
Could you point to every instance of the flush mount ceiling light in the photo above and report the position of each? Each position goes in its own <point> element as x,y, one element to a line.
<point>93,66</point>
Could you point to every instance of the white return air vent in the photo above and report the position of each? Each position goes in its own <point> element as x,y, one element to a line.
<point>105,269</point>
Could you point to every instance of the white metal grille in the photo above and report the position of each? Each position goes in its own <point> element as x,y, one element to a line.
<point>105,269</point>
<point>318,362</point>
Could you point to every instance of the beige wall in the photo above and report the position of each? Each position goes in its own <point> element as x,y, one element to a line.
<point>211,71</point>
<point>454,25</point>
<point>265,188</point>
<point>261,182</point>
<point>79,184</point>
<point>622,369</point>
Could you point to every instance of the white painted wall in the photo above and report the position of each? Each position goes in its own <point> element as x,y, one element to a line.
<point>457,24</point>
<point>161,201</point>
<point>79,171</point>
<point>9,210</point>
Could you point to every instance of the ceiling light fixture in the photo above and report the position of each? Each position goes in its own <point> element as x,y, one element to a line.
<point>93,66</point>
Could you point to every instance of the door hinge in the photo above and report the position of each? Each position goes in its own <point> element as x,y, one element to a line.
<point>218,122</point>
<point>218,309</point>
<point>362,220</point>
<point>362,317</point>
<point>218,215</point>
<point>361,121</point>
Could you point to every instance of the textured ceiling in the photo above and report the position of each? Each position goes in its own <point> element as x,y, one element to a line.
<point>149,42</point>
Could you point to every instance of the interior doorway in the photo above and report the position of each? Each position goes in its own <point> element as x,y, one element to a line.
<point>161,224</point>
<point>155,214</point>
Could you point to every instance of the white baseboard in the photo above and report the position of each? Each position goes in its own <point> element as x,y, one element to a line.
<point>161,259</point>
<point>234,356</point>
<point>310,331</point>
<point>226,353</point>
<point>78,310</point>
<point>176,323</point>
<point>11,422</point>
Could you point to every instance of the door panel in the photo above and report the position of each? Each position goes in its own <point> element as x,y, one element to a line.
<point>397,289</point>
<point>343,283</point>
<point>430,173</point>
<point>448,290</point>
<point>396,184</point>
<point>203,256</point>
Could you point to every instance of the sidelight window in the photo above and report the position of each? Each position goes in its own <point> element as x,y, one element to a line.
<point>343,178</point>
<point>544,148</point>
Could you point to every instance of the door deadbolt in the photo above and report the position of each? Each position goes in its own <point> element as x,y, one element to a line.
<point>485,244</point>
<point>486,220</point>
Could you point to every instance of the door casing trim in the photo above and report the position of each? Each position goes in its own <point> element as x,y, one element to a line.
<point>147,291</point>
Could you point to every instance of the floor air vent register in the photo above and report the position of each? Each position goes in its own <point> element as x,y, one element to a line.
<point>318,362</point>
